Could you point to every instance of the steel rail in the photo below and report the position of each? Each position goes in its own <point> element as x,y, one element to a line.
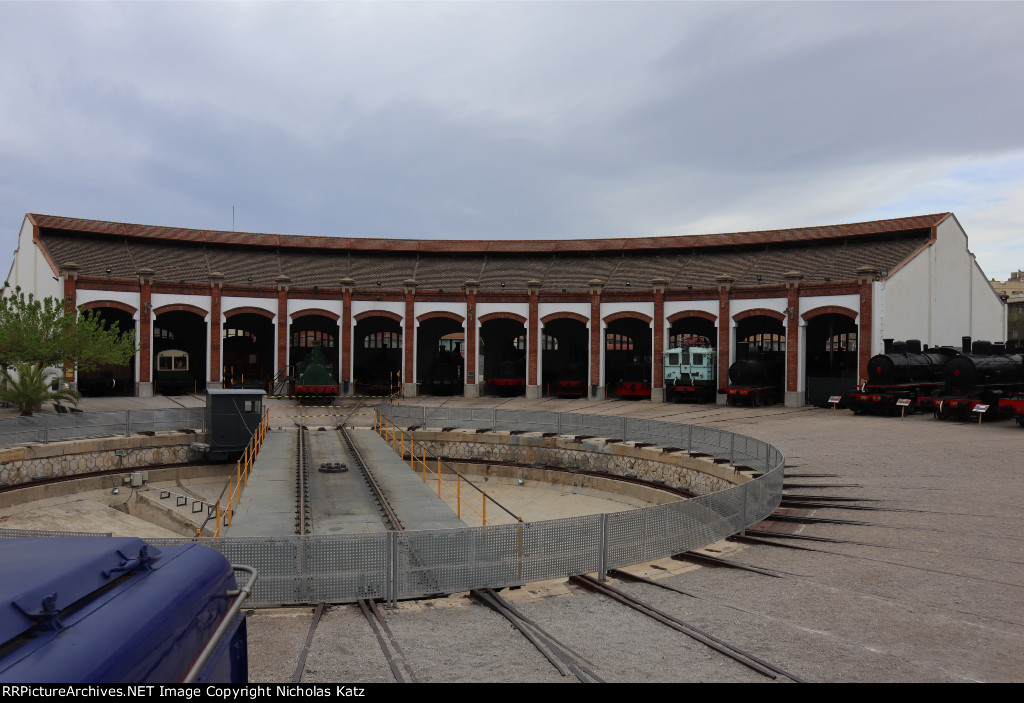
<point>749,660</point>
<point>385,507</point>
<point>301,666</point>
<point>396,660</point>
<point>563,658</point>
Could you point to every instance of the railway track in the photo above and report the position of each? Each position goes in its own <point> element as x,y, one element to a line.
<point>745,658</point>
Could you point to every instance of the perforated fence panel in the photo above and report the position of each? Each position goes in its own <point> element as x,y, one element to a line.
<point>67,426</point>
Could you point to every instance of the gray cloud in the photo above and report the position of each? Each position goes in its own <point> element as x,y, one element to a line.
<point>517,120</point>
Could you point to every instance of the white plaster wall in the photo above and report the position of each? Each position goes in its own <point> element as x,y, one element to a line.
<point>487,308</point>
<point>738,306</point>
<point>231,302</point>
<point>31,270</point>
<point>939,296</point>
<point>988,316</point>
<point>127,297</point>
<point>816,301</point>
<point>395,306</point>
<point>612,308</point>
<point>545,309</point>
<point>421,308</point>
<point>674,306</point>
<point>161,299</point>
<point>299,304</point>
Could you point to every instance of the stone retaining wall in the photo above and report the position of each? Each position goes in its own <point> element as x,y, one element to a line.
<point>35,462</point>
<point>676,469</point>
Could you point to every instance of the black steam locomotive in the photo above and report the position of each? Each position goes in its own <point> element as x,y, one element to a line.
<point>902,373</point>
<point>981,375</point>
<point>756,380</point>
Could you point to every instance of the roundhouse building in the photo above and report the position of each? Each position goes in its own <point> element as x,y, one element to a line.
<point>234,308</point>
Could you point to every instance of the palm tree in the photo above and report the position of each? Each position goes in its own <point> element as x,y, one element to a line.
<point>30,386</point>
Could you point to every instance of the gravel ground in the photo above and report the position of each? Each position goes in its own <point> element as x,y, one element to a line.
<point>931,591</point>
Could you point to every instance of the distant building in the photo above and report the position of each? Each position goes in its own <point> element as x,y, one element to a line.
<point>1015,318</point>
<point>1013,288</point>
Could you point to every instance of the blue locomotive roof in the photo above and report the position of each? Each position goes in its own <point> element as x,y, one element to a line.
<point>99,609</point>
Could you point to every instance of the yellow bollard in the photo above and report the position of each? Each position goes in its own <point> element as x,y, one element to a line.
<point>485,505</point>
<point>217,533</point>
<point>458,496</point>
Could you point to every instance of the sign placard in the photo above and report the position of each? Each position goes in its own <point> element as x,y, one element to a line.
<point>835,399</point>
<point>903,401</point>
<point>980,408</point>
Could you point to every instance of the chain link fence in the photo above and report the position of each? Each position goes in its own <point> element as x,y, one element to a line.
<point>47,428</point>
<point>400,565</point>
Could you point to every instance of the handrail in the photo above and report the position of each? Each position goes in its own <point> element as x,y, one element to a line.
<point>236,605</point>
<point>243,467</point>
<point>381,425</point>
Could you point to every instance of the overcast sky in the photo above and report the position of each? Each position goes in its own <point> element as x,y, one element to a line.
<point>515,120</point>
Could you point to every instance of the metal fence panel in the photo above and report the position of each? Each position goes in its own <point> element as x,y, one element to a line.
<point>69,426</point>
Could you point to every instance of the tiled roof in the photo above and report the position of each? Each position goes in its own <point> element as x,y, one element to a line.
<point>753,258</point>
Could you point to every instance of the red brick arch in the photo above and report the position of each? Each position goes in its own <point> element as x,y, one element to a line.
<point>249,309</point>
<point>441,313</point>
<point>378,313</point>
<point>564,316</point>
<point>828,310</point>
<point>674,317</point>
<point>754,312</point>
<point>502,316</point>
<point>115,304</point>
<point>309,312</point>
<point>180,307</point>
<point>627,314</point>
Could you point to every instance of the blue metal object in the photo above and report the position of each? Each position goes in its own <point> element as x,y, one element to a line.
<point>99,609</point>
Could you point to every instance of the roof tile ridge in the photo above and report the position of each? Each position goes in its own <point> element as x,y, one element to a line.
<point>547,270</point>
<point>135,264</point>
<point>682,267</point>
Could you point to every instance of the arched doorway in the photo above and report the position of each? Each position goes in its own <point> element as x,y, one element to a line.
<point>309,331</point>
<point>503,348</point>
<point>440,355</point>
<point>377,354</point>
<point>248,348</point>
<point>691,360</point>
<point>565,357</point>
<point>179,352</point>
<point>831,356</point>
<point>760,360</point>
<point>628,358</point>
<point>110,379</point>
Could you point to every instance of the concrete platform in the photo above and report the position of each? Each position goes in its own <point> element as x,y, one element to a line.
<point>417,506</point>
<point>267,508</point>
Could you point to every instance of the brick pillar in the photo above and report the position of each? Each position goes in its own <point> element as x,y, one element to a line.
<point>145,340</point>
<point>658,354</point>
<point>596,337</point>
<point>724,332</point>
<point>793,351</point>
<point>409,340</point>
<point>282,282</point>
<point>216,333</point>
<point>69,272</point>
<point>472,390</point>
<point>347,285</point>
<point>865,278</point>
<point>533,346</point>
